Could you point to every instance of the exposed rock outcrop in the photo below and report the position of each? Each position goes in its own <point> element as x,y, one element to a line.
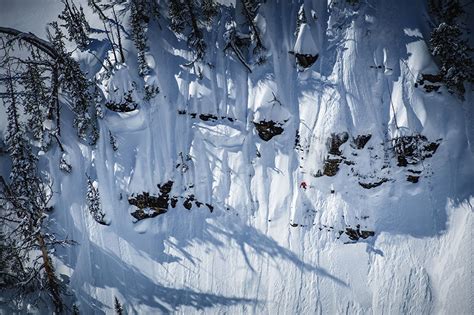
<point>268,129</point>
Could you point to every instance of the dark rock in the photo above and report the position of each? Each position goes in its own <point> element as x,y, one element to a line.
<point>373,185</point>
<point>306,60</point>
<point>297,140</point>
<point>205,117</point>
<point>352,234</point>
<point>413,179</point>
<point>318,174</point>
<point>335,141</point>
<point>360,141</point>
<point>208,117</point>
<point>166,188</point>
<point>121,107</point>
<point>140,214</point>
<point>433,78</point>
<point>268,129</point>
<point>158,203</point>
<point>126,105</point>
<point>293,224</point>
<point>407,145</point>
<point>365,234</point>
<point>356,234</point>
<point>410,150</point>
<point>431,88</point>
<point>435,81</point>
<point>174,202</point>
<point>331,167</point>
<point>145,200</point>
<point>187,203</point>
<point>432,147</point>
<point>402,161</point>
<point>211,208</point>
<point>150,206</point>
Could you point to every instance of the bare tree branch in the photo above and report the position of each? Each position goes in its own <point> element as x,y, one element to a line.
<point>34,40</point>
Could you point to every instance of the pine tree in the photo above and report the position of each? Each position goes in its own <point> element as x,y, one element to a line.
<point>98,103</point>
<point>76,85</point>
<point>36,99</point>
<point>108,24</point>
<point>244,39</point>
<point>23,161</point>
<point>75,309</point>
<point>118,307</point>
<point>447,44</point>
<point>209,11</point>
<point>23,203</point>
<point>250,10</point>
<point>75,23</point>
<point>177,18</point>
<point>189,18</point>
<point>113,141</point>
<point>454,54</point>
<point>446,10</point>
<point>93,202</point>
<point>301,19</point>
<point>139,25</point>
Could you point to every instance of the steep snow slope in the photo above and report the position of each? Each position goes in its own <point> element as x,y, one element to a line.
<point>271,245</point>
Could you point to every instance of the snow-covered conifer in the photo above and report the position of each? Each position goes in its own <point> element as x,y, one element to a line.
<point>75,23</point>
<point>23,161</point>
<point>452,50</point>
<point>209,10</point>
<point>93,202</point>
<point>75,309</point>
<point>75,83</point>
<point>250,10</point>
<point>36,99</point>
<point>139,25</point>
<point>113,141</point>
<point>189,18</point>
<point>23,203</point>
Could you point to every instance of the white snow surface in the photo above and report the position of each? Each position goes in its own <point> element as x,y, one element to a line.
<point>304,41</point>
<point>245,257</point>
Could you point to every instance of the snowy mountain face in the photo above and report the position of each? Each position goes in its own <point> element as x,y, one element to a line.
<point>299,166</point>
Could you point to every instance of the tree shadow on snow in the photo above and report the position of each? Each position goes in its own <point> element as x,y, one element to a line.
<point>109,271</point>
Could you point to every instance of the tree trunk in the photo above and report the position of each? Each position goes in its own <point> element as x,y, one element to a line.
<point>119,36</point>
<point>51,276</point>
<point>39,43</point>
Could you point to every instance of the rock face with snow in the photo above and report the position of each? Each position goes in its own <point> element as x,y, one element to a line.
<point>306,51</point>
<point>203,194</point>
